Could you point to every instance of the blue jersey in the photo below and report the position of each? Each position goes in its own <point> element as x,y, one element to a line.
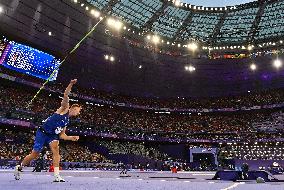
<point>55,123</point>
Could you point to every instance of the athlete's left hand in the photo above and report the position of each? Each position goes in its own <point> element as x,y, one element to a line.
<point>74,138</point>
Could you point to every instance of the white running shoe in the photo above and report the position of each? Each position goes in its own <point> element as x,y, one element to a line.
<point>58,178</point>
<point>18,170</point>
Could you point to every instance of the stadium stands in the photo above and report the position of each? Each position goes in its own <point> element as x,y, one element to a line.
<point>125,118</point>
<point>254,151</point>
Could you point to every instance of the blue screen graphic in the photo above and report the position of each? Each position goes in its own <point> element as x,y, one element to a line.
<point>28,60</point>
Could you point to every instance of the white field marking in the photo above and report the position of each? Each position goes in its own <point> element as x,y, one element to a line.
<point>201,172</point>
<point>232,186</point>
<point>186,181</point>
<point>78,171</point>
<point>204,174</point>
<point>211,182</point>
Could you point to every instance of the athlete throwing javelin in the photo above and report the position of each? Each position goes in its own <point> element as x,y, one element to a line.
<point>51,131</point>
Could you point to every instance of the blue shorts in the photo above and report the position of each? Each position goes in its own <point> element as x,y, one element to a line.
<point>42,139</point>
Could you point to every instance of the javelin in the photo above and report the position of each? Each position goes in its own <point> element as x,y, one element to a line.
<point>65,58</point>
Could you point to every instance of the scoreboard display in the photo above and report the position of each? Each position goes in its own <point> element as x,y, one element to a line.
<point>25,59</point>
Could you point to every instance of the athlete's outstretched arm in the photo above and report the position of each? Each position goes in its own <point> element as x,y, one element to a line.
<point>65,137</point>
<point>65,102</point>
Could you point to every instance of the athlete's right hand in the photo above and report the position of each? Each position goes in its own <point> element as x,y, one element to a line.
<point>74,81</point>
<point>74,138</point>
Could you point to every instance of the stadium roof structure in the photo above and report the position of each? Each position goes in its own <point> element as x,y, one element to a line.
<point>248,23</point>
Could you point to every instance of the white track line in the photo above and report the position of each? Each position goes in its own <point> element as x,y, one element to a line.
<point>232,186</point>
<point>203,174</point>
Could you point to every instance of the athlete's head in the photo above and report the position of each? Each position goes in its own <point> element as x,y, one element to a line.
<point>74,110</point>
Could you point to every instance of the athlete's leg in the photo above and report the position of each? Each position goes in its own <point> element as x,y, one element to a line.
<point>40,140</point>
<point>54,146</point>
<point>38,145</point>
<point>32,156</point>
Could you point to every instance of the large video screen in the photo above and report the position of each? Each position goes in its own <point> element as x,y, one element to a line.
<point>25,59</point>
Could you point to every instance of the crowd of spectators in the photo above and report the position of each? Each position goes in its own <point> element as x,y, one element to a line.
<point>255,151</point>
<point>73,152</point>
<point>235,126</point>
<point>250,99</point>
<point>170,123</point>
<point>9,150</point>
<point>133,148</point>
<point>15,145</point>
<point>110,118</point>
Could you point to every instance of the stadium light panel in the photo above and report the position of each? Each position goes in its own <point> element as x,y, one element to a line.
<point>156,39</point>
<point>1,9</point>
<point>192,46</point>
<point>116,24</point>
<point>111,59</point>
<point>110,22</point>
<point>253,67</point>
<point>177,3</point>
<point>277,63</point>
<point>95,13</point>
<point>189,68</point>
